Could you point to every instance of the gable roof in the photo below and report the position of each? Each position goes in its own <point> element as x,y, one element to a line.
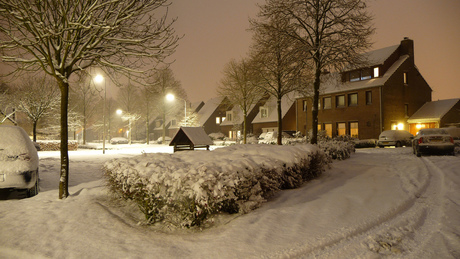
<point>191,135</point>
<point>286,102</point>
<point>433,111</point>
<point>208,109</point>
<point>332,83</point>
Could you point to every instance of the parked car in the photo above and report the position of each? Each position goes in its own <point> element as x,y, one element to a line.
<point>18,161</point>
<point>397,138</point>
<point>435,141</point>
<point>119,140</point>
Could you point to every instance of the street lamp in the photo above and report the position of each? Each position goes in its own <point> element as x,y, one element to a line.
<point>130,117</point>
<point>98,79</point>
<point>171,97</point>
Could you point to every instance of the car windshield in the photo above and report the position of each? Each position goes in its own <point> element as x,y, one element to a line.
<point>433,132</point>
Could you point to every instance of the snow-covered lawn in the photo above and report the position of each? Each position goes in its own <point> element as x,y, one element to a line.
<point>378,202</point>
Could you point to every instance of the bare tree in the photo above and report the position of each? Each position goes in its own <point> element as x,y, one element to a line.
<point>128,97</point>
<point>277,59</point>
<point>36,97</point>
<point>7,110</point>
<point>240,85</point>
<point>332,33</point>
<point>84,97</point>
<point>62,37</point>
<point>163,82</point>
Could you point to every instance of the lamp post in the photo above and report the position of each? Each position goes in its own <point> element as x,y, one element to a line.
<point>171,97</point>
<point>130,117</point>
<point>98,79</point>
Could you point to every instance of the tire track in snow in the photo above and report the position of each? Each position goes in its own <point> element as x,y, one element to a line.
<point>401,232</point>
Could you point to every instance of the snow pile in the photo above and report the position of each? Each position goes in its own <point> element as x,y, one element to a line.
<point>185,189</point>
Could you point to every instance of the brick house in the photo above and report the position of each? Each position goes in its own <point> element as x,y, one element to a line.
<point>267,117</point>
<point>362,102</point>
<point>232,126</point>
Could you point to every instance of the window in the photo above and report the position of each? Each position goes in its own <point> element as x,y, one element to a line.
<point>354,129</point>
<point>353,99</point>
<point>327,103</point>
<point>217,120</point>
<point>328,129</point>
<point>368,97</point>
<point>341,129</point>
<point>263,112</point>
<point>229,116</point>
<point>340,101</point>
<point>376,72</point>
<point>355,76</point>
<point>366,74</point>
<point>304,103</point>
<point>405,78</point>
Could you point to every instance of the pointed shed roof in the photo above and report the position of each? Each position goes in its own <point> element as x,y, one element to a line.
<point>191,135</point>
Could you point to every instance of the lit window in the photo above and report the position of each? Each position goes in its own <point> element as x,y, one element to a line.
<point>304,102</point>
<point>327,103</point>
<point>353,99</point>
<point>405,78</point>
<point>376,72</point>
<point>217,120</point>
<point>328,129</point>
<point>341,129</point>
<point>263,112</point>
<point>340,101</point>
<point>354,129</point>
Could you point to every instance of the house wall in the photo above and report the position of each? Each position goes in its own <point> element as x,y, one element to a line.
<point>288,121</point>
<point>452,117</point>
<point>366,115</point>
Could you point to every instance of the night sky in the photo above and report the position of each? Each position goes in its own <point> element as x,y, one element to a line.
<point>216,31</point>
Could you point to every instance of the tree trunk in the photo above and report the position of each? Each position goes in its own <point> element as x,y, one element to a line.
<point>280,122</point>
<point>314,110</point>
<point>34,131</point>
<point>64,172</point>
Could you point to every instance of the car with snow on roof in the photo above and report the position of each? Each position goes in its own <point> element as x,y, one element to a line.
<point>397,138</point>
<point>18,161</point>
<point>433,141</point>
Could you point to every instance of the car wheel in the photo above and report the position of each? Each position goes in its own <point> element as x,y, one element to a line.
<point>398,144</point>
<point>418,153</point>
<point>34,190</point>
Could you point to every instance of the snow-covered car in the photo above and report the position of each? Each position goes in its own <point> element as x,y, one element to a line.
<point>18,160</point>
<point>433,141</point>
<point>119,140</point>
<point>397,138</point>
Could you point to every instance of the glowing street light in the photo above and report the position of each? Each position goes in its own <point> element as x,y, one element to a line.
<point>99,79</point>
<point>171,97</point>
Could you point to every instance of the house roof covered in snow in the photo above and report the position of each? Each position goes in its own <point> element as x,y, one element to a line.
<point>286,102</point>
<point>237,116</point>
<point>208,109</point>
<point>433,111</point>
<point>191,135</point>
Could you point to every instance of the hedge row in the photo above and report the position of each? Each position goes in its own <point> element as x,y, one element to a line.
<point>185,189</point>
<point>56,145</point>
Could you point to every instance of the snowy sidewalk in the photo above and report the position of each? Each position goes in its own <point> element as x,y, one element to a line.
<point>380,201</point>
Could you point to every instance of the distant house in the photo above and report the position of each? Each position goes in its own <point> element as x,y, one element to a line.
<point>267,118</point>
<point>436,114</point>
<point>211,115</point>
<point>232,126</point>
<point>364,101</point>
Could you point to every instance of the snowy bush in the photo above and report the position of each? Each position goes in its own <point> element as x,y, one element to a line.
<point>56,145</point>
<point>217,136</point>
<point>185,189</point>
<point>337,149</point>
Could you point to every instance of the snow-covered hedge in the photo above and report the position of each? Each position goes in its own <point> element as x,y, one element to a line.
<point>337,149</point>
<point>186,188</point>
<point>56,145</point>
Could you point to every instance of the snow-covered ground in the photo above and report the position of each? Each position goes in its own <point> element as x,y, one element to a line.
<point>378,202</point>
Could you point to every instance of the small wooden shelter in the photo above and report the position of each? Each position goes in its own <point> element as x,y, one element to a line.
<point>189,138</point>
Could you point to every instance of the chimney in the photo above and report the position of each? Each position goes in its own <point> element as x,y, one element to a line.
<point>407,47</point>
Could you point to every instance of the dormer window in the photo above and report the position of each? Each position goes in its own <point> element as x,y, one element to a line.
<point>229,116</point>
<point>376,72</point>
<point>263,112</point>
